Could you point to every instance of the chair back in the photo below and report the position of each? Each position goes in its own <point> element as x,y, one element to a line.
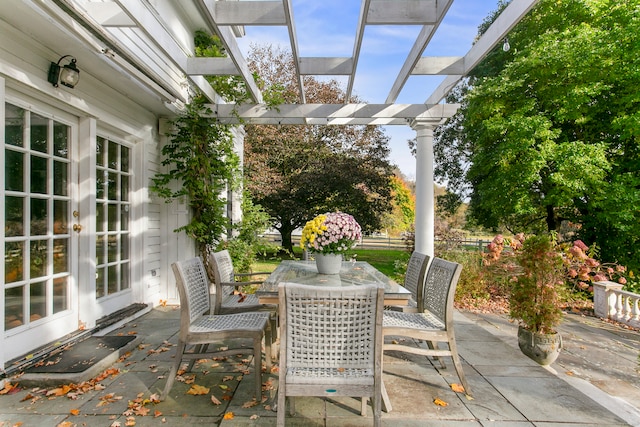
<point>193,288</point>
<point>440,288</point>
<point>415,275</point>
<point>330,327</point>
<point>223,272</point>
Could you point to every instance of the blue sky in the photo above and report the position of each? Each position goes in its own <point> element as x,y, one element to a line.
<point>323,32</point>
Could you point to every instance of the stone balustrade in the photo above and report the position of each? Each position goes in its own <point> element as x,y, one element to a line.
<point>611,302</point>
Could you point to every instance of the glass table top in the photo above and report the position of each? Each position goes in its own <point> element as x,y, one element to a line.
<point>351,273</point>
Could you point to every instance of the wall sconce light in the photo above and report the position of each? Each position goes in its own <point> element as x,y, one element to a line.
<point>505,45</point>
<point>68,74</point>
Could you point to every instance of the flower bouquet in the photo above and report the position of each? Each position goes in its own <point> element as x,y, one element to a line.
<point>330,234</point>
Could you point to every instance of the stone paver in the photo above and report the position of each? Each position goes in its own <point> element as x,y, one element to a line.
<point>509,389</point>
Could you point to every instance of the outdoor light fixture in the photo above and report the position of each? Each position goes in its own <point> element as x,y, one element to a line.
<point>68,74</point>
<point>506,46</point>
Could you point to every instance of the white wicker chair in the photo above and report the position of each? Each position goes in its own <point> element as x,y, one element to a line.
<point>435,323</point>
<point>224,300</point>
<point>198,328</point>
<point>414,282</point>
<point>331,344</point>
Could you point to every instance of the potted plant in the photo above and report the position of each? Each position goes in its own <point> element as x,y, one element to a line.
<point>329,236</point>
<point>535,297</point>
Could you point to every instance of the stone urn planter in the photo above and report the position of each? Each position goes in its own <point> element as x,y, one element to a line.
<point>541,348</point>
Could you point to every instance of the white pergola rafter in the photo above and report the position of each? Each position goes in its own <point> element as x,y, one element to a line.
<point>333,114</point>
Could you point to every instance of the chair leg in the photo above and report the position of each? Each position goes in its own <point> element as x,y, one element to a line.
<point>257,365</point>
<point>173,371</point>
<point>458,366</point>
<point>281,409</point>
<point>432,346</point>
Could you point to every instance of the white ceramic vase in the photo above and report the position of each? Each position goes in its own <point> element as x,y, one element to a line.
<point>328,263</point>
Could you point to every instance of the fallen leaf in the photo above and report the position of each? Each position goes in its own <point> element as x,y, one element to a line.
<point>457,388</point>
<point>254,417</point>
<point>197,390</point>
<point>157,414</point>
<point>9,389</point>
<point>66,424</point>
<point>60,391</point>
<point>440,402</point>
<point>224,386</point>
<point>228,416</point>
<point>227,378</point>
<point>250,404</point>
<point>74,411</point>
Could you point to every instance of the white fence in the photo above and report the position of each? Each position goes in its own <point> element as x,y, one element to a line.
<point>611,302</point>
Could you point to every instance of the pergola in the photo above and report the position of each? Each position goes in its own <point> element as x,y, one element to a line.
<point>142,39</point>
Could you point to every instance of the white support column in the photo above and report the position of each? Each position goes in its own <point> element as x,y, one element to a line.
<point>425,202</point>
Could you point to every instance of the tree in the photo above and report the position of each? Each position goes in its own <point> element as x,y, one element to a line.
<point>296,172</point>
<point>548,131</point>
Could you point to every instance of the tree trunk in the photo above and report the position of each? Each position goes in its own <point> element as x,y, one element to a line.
<point>285,233</point>
<point>551,219</point>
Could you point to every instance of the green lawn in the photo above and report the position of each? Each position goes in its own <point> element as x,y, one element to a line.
<point>382,259</point>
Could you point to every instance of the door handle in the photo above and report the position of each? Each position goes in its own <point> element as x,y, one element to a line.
<point>77,228</point>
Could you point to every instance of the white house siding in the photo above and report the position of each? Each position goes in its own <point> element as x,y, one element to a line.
<point>114,108</point>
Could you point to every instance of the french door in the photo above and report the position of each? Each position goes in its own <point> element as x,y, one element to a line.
<point>39,244</point>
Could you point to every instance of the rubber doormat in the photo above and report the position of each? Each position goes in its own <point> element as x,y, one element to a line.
<point>80,356</point>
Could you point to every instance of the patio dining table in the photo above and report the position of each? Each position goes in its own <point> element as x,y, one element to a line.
<point>351,273</point>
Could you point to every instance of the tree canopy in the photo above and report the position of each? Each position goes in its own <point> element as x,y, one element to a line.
<point>549,131</point>
<point>296,172</point>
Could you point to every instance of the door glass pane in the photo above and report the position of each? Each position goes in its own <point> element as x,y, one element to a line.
<point>60,255</point>
<point>124,276</point>
<point>13,261</point>
<point>60,217</point>
<point>124,247</point>
<point>100,147</point>
<point>100,250</point>
<point>124,159</point>
<point>14,125</point>
<point>113,248</point>
<point>100,287</point>
<point>13,170</point>
<point>100,183</point>
<point>112,281</point>
<point>38,303</point>
<point>61,140</point>
<point>38,175</point>
<point>60,294</point>
<point>100,217</point>
<point>113,186</point>
<point>113,155</point>
<point>113,217</point>
<point>13,216</point>
<point>124,218</point>
<point>124,188</point>
<point>38,261</point>
<point>39,133</point>
<point>13,307</point>
<point>39,217</point>
<point>60,174</point>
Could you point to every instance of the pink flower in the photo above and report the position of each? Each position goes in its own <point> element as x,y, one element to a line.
<point>581,245</point>
<point>599,278</point>
<point>499,239</point>
<point>622,281</point>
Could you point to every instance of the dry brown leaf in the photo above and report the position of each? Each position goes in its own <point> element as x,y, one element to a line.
<point>254,417</point>
<point>130,422</point>
<point>458,388</point>
<point>157,414</point>
<point>60,391</point>
<point>66,424</point>
<point>197,390</point>
<point>228,416</point>
<point>440,402</point>
<point>227,378</point>
<point>74,411</point>
<point>250,404</point>
<point>215,400</point>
